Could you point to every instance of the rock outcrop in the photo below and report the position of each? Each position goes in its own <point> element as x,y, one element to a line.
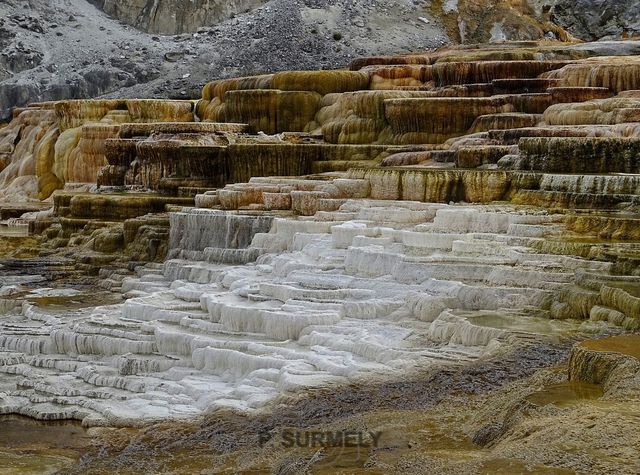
<point>172,17</point>
<point>597,19</point>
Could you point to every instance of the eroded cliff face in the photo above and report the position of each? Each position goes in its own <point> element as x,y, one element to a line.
<point>465,21</point>
<point>172,17</point>
<point>474,21</point>
<point>591,19</point>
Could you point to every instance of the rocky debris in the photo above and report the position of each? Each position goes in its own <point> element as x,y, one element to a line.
<point>598,19</point>
<point>6,34</point>
<point>174,56</point>
<point>20,58</point>
<point>28,22</point>
<point>76,43</point>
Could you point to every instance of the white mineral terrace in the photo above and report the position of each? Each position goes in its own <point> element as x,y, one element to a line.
<point>373,290</point>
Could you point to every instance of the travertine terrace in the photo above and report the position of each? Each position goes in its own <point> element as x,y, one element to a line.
<point>321,228</point>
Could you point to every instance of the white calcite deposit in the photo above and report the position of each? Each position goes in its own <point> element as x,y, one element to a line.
<point>249,307</point>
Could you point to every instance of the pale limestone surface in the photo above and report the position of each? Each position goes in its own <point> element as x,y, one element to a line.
<point>361,292</point>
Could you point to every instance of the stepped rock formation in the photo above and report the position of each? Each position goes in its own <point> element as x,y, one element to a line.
<point>598,361</point>
<point>509,122</point>
<point>325,105</point>
<point>313,229</point>
<point>50,144</point>
<point>476,125</point>
<point>332,298</point>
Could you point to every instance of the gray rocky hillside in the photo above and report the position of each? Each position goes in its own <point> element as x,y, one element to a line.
<point>57,49</point>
